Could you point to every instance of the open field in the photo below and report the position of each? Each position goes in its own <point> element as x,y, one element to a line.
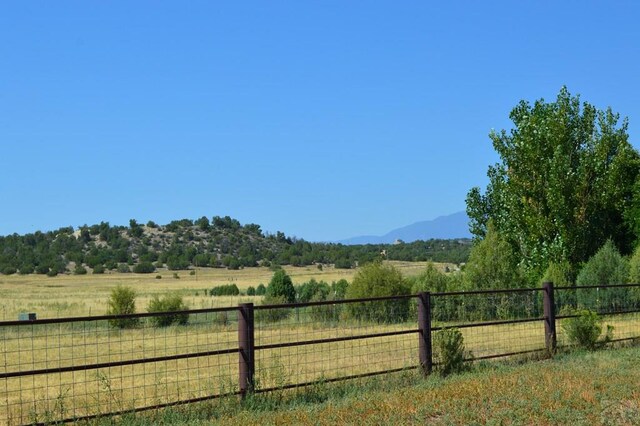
<point>78,295</point>
<point>78,393</point>
<point>599,388</point>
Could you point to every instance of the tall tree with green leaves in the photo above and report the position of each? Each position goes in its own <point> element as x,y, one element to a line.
<point>563,184</point>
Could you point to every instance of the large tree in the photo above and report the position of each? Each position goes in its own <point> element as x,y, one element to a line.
<point>563,184</point>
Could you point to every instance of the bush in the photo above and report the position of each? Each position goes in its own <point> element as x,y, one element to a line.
<point>261,290</point>
<point>144,268</point>
<point>158,277</point>
<point>42,269</point>
<point>122,301</point>
<point>168,303</point>
<point>450,352</point>
<point>429,280</point>
<point>80,270</point>
<point>325,313</point>
<point>343,264</point>
<point>377,280</point>
<point>9,270</point>
<point>606,267</point>
<point>312,290</point>
<point>225,290</point>
<point>339,289</point>
<point>584,330</point>
<point>123,268</point>
<point>251,291</point>
<point>52,273</point>
<point>26,269</point>
<point>98,269</point>
<point>275,314</point>
<point>281,286</point>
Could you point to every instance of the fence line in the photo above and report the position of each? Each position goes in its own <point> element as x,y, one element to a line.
<point>67,369</point>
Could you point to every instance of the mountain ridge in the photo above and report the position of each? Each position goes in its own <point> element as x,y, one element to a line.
<point>452,226</point>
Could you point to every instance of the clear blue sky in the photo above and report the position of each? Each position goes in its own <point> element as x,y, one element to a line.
<point>324,120</point>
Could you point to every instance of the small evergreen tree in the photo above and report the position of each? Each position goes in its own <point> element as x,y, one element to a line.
<point>281,286</point>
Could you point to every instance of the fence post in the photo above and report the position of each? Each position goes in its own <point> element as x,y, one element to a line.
<point>246,356</point>
<point>424,332</point>
<point>549,308</point>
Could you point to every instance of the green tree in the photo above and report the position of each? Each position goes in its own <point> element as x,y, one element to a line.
<point>281,286</point>
<point>492,264</point>
<point>376,280</point>
<point>563,184</point>
<point>606,267</point>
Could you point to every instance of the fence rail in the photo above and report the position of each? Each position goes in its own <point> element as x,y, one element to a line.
<point>67,369</point>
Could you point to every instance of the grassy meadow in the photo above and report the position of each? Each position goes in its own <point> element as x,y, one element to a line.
<point>79,295</point>
<point>70,394</point>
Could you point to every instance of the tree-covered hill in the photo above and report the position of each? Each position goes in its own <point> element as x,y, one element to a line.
<point>181,244</point>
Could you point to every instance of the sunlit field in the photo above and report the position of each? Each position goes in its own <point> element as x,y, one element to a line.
<point>79,295</point>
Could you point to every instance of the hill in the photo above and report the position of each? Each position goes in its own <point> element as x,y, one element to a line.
<point>185,243</point>
<point>452,226</point>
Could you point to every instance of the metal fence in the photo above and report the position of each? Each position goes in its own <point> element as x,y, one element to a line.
<point>66,369</point>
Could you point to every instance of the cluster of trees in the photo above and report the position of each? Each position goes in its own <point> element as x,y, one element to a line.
<point>182,244</point>
<point>568,180</point>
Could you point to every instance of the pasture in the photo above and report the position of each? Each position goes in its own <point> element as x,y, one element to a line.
<point>79,295</point>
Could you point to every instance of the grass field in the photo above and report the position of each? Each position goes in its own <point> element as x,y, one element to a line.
<point>78,295</point>
<point>70,394</point>
<point>580,388</point>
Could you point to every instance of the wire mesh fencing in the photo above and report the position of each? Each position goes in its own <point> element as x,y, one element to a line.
<point>80,368</point>
<point>77,368</point>
<point>618,308</point>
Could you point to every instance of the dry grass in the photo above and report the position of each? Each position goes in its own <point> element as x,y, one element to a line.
<point>79,295</point>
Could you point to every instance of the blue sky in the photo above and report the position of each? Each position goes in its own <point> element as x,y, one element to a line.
<point>324,120</point>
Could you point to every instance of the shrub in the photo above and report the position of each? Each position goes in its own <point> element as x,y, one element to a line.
<point>176,276</point>
<point>192,272</point>
<point>9,270</point>
<point>225,290</point>
<point>585,329</point>
<point>80,270</point>
<point>274,314</point>
<point>26,269</point>
<point>168,303</point>
<point>261,290</point>
<point>377,280</point>
<point>144,268</point>
<point>281,286</point>
<point>42,269</point>
<point>122,301</point>
<point>123,268</point>
<point>312,290</point>
<point>450,351</point>
<point>251,291</point>
<point>98,269</point>
<point>339,289</point>
<point>52,273</point>
<point>606,267</point>
<point>158,277</point>
<point>343,264</point>
<point>325,313</point>
<point>429,280</point>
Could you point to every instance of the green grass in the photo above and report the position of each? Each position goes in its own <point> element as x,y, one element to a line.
<point>579,388</point>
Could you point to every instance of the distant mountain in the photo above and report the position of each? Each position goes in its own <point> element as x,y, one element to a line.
<point>455,225</point>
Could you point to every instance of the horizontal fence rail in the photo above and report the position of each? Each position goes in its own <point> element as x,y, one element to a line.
<point>68,369</point>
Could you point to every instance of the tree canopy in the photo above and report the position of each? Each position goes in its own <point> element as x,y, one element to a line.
<point>563,185</point>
